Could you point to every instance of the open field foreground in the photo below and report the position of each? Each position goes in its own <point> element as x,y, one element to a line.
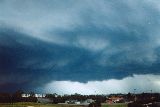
<point>53,105</point>
<point>115,105</point>
<point>34,105</point>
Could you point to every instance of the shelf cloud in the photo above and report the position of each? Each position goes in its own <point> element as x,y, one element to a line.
<point>77,41</point>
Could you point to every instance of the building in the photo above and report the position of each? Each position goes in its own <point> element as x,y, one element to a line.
<point>26,95</point>
<point>40,95</point>
<point>88,101</point>
<point>114,99</point>
<point>72,102</point>
<point>35,95</point>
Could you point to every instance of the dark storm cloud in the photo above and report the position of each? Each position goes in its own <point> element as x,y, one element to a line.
<point>77,41</point>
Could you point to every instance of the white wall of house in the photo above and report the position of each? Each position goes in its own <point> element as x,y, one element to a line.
<point>36,95</point>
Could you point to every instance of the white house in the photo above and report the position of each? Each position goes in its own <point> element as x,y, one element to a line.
<point>40,95</point>
<point>25,95</point>
<point>88,101</point>
<point>35,95</point>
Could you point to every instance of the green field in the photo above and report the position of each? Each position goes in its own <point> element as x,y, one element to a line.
<point>54,105</point>
<point>35,105</point>
<point>115,105</point>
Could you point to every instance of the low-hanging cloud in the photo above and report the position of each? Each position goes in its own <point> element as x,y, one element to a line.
<point>106,86</point>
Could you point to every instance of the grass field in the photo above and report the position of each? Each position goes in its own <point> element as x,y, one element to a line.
<point>35,105</point>
<point>54,105</point>
<point>115,105</point>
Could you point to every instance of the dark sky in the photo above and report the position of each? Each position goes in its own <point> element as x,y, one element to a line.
<point>50,45</point>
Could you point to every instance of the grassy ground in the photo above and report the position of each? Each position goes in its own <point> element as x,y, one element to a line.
<point>34,105</point>
<point>54,105</point>
<point>115,105</point>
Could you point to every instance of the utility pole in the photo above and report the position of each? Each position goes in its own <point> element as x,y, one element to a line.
<point>151,95</point>
<point>135,98</point>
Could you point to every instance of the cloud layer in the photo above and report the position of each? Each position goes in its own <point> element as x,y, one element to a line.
<point>44,41</point>
<point>142,83</point>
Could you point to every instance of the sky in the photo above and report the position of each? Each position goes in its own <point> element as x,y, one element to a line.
<point>80,46</point>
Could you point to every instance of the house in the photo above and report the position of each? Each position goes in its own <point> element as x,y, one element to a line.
<point>72,102</point>
<point>25,95</point>
<point>40,95</point>
<point>88,101</point>
<point>114,99</point>
<point>35,95</point>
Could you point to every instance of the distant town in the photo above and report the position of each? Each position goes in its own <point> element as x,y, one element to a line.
<point>130,99</point>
